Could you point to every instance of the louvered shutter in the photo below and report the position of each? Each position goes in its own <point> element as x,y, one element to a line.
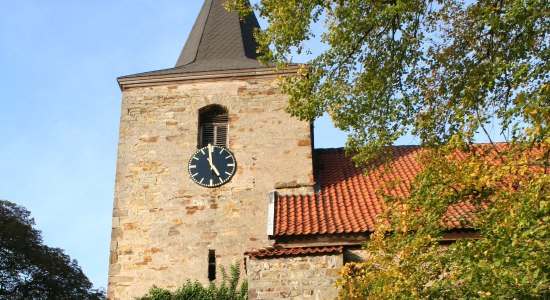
<point>214,129</point>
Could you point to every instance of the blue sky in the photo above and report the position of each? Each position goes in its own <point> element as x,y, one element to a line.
<point>60,106</point>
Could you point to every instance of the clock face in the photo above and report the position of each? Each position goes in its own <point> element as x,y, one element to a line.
<point>212,166</point>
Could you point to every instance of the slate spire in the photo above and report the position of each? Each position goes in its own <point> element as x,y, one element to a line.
<point>219,35</point>
<point>219,41</point>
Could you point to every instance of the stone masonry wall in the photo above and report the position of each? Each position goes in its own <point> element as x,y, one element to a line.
<point>295,277</point>
<point>163,223</point>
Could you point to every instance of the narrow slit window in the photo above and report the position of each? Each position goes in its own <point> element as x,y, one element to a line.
<point>213,126</point>
<point>211,265</point>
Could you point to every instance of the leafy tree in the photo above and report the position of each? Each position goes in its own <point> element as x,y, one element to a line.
<point>31,270</point>
<point>227,290</point>
<point>445,72</point>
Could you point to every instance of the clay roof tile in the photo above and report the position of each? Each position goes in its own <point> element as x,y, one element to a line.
<point>348,201</point>
<point>279,251</point>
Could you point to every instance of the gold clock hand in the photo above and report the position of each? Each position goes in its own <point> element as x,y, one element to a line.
<point>210,154</point>
<point>215,169</point>
<point>210,149</point>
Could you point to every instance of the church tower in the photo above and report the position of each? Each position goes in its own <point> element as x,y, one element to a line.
<point>201,145</point>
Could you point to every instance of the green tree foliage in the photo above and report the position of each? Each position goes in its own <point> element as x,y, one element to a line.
<point>31,270</point>
<point>228,289</point>
<point>445,72</point>
<point>511,258</point>
<point>436,69</point>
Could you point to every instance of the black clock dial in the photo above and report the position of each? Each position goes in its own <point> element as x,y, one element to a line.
<point>212,166</point>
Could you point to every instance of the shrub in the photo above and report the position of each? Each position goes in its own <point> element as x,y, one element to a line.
<point>227,290</point>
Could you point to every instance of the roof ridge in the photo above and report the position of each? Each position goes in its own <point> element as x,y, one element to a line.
<point>341,149</point>
<point>337,149</point>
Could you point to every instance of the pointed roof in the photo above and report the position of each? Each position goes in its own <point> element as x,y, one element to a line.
<point>219,35</point>
<point>219,41</point>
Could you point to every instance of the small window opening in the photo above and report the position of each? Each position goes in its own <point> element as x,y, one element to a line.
<point>213,126</point>
<point>211,265</point>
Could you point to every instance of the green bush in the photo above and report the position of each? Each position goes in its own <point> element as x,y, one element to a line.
<point>157,293</point>
<point>227,290</point>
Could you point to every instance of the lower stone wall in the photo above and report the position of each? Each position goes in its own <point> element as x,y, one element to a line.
<point>296,277</point>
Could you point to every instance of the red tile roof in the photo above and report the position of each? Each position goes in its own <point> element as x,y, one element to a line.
<point>349,201</point>
<point>279,251</point>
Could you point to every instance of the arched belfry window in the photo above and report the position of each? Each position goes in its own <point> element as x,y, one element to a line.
<point>213,126</point>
